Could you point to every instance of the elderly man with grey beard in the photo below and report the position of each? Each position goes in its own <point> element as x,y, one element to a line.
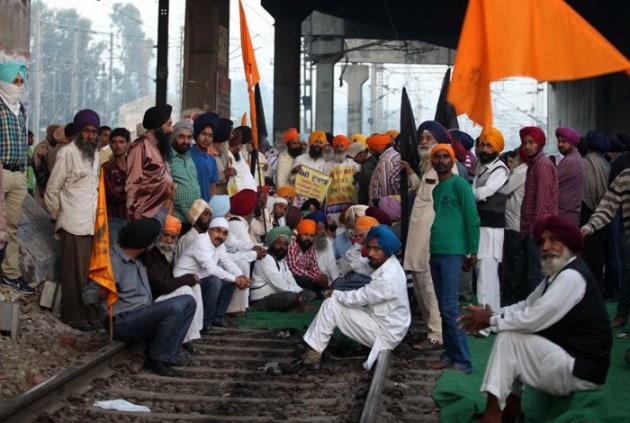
<point>557,340</point>
<point>71,197</point>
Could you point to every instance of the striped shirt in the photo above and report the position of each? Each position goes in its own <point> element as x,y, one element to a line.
<point>13,138</point>
<point>184,173</point>
<point>618,195</point>
<point>386,177</point>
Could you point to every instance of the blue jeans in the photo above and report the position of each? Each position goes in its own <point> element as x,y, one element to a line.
<point>163,324</point>
<point>446,271</point>
<point>216,294</point>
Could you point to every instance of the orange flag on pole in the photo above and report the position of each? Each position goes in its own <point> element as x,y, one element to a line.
<point>251,71</point>
<point>543,39</point>
<point>100,270</point>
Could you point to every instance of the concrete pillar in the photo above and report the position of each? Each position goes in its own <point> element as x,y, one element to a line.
<point>286,76</point>
<point>15,17</point>
<point>206,83</point>
<point>355,76</point>
<point>324,100</point>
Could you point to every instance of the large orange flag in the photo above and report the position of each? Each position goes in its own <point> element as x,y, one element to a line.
<point>100,263</point>
<point>543,39</point>
<point>251,71</point>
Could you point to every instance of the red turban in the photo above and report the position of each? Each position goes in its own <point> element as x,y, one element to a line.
<point>243,202</point>
<point>378,142</point>
<point>291,134</point>
<point>341,139</point>
<point>536,133</point>
<point>307,226</point>
<point>562,229</point>
<point>379,215</point>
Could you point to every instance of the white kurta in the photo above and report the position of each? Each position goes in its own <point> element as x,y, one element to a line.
<point>326,261</point>
<point>376,315</point>
<point>239,244</point>
<point>203,259</point>
<point>519,354</point>
<point>271,277</point>
<point>194,331</point>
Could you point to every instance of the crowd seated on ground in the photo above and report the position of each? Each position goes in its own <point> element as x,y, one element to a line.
<point>194,234</point>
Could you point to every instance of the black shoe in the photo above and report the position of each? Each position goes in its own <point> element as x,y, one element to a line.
<point>85,328</point>
<point>206,330</point>
<point>225,324</point>
<point>188,346</point>
<point>19,284</point>
<point>160,368</point>
<point>298,365</point>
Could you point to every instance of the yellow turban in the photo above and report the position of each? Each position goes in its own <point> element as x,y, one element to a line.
<point>494,137</point>
<point>172,225</point>
<point>315,135</point>
<point>358,138</point>
<point>392,133</point>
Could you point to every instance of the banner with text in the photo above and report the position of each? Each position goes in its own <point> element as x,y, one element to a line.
<point>311,183</point>
<point>341,192</point>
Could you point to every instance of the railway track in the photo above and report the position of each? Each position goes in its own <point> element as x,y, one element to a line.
<point>237,379</point>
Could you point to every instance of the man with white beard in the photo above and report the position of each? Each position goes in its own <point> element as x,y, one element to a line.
<point>558,339</point>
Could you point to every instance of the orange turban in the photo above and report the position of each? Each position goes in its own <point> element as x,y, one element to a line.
<point>364,223</point>
<point>286,191</point>
<point>172,225</point>
<point>445,147</point>
<point>378,142</point>
<point>341,139</point>
<point>392,133</point>
<point>494,137</point>
<point>291,134</point>
<point>315,135</point>
<point>307,226</point>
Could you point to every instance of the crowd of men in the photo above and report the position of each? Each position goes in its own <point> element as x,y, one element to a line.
<point>203,226</point>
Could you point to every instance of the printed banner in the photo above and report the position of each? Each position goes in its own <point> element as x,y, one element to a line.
<point>341,189</point>
<point>311,183</point>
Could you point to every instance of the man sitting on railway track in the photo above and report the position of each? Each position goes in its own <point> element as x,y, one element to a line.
<point>137,318</point>
<point>376,315</point>
<point>558,339</point>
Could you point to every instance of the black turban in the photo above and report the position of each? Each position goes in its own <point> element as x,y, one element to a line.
<point>204,120</point>
<point>247,134</point>
<point>156,116</point>
<point>139,233</point>
<point>223,131</point>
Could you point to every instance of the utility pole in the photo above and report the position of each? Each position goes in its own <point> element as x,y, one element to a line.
<point>38,72</point>
<point>73,84</point>
<point>162,54</point>
<point>110,80</point>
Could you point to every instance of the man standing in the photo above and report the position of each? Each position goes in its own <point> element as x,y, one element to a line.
<point>285,159</point>
<point>71,197</point>
<point>183,169</point>
<point>241,176</point>
<point>558,340</point>
<point>207,170</point>
<point>385,180</point>
<point>115,174</point>
<point>104,149</point>
<point>148,177</point>
<point>454,235</point>
<point>540,198</point>
<point>302,259</point>
<point>376,315</point>
<point>209,260</point>
<point>490,175</point>
<point>570,175</point>
<point>314,158</point>
<point>13,146</point>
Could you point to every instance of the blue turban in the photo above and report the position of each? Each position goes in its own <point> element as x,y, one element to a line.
<point>466,140</point>
<point>385,238</point>
<point>220,205</point>
<point>439,132</point>
<point>318,216</point>
<point>597,141</point>
<point>204,120</point>
<point>10,71</point>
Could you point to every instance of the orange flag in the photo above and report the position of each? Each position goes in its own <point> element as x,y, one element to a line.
<point>251,71</point>
<point>100,263</point>
<point>543,39</point>
<point>244,119</point>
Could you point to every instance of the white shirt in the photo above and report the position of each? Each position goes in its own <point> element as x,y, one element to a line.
<point>72,191</point>
<point>203,259</point>
<point>184,241</point>
<point>543,308</point>
<point>242,172</point>
<point>308,161</point>
<point>283,170</point>
<point>239,242</point>
<point>515,190</point>
<point>270,277</point>
<point>326,261</point>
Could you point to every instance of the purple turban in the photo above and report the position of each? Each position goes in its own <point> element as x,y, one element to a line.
<point>86,117</point>
<point>536,133</point>
<point>439,132</point>
<point>379,215</point>
<point>597,141</point>
<point>385,238</point>
<point>391,206</point>
<point>466,140</point>
<point>570,135</point>
<point>562,229</point>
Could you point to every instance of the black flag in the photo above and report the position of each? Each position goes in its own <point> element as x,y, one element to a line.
<point>445,112</point>
<point>261,126</point>
<point>409,153</point>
